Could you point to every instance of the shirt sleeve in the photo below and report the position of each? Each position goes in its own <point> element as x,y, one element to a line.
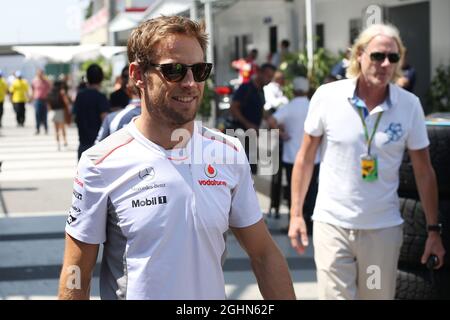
<point>245,210</point>
<point>417,137</point>
<point>314,125</point>
<point>104,129</point>
<point>86,221</point>
<point>280,114</point>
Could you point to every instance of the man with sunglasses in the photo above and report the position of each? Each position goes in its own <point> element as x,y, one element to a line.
<point>363,125</point>
<point>160,207</point>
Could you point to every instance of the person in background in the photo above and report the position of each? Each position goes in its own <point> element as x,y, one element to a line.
<point>3,92</point>
<point>116,120</point>
<point>90,108</point>
<point>67,85</point>
<point>274,96</point>
<point>81,85</point>
<point>120,98</point>
<point>273,93</point>
<point>59,105</point>
<point>290,119</point>
<point>247,106</point>
<point>408,79</point>
<point>247,67</point>
<point>364,125</point>
<point>19,91</point>
<point>280,56</point>
<point>339,70</point>
<point>41,88</point>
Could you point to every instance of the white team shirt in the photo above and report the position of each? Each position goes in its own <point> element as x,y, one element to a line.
<point>344,199</point>
<point>162,215</point>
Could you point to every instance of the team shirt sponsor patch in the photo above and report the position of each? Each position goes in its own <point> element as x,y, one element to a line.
<point>211,172</point>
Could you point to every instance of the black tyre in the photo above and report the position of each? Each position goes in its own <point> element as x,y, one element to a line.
<point>415,285</point>
<point>422,284</point>
<point>415,234</point>
<point>438,128</point>
<point>414,216</point>
<point>411,250</point>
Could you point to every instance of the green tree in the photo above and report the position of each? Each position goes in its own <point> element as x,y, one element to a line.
<point>439,93</point>
<point>295,65</point>
<point>208,96</point>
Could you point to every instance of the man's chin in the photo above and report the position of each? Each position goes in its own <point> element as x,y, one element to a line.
<point>380,81</point>
<point>179,119</point>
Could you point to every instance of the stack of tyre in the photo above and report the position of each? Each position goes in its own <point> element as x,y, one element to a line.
<point>414,280</point>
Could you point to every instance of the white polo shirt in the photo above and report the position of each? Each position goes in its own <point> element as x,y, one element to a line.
<point>162,215</point>
<point>293,116</point>
<point>344,199</point>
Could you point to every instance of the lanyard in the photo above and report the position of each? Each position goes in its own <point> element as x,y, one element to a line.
<point>366,133</point>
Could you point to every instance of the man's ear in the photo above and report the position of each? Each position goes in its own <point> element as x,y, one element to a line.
<point>136,75</point>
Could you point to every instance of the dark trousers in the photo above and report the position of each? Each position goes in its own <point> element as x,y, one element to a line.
<point>1,113</point>
<point>276,186</point>
<point>19,108</point>
<point>40,108</point>
<point>310,199</point>
<point>253,166</point>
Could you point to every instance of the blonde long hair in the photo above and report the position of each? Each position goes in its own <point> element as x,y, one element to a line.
<point>354,68</point>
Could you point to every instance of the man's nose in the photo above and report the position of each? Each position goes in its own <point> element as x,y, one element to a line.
<point>386,62</point>
<point>188,79</point>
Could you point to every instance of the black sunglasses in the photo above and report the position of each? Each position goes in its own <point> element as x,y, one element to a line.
<point>381,56</point>
<point>175,72</point>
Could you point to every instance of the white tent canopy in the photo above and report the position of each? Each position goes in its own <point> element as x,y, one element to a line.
<point>167,8</point>
<point>125,21</point>
<point>66,54</point>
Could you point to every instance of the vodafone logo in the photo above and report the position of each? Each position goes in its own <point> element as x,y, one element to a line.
<point>212,182</point>
<point>210,171</point>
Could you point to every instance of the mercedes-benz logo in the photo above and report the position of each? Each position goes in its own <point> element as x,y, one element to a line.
<point>147,173</point>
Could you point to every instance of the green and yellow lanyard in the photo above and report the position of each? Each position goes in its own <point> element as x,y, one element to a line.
<point>366,132</point>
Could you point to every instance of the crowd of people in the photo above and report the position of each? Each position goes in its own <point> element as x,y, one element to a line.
<point>86,106</point>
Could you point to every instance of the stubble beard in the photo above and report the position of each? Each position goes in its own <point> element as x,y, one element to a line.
<point>161,112</point>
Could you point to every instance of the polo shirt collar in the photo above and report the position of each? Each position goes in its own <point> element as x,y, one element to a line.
<point>359,103</point>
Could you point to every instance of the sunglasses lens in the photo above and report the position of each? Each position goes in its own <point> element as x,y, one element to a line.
<point>173,71</point>
<point>377,56</point>
<point>380,57</point>
<point>393,57</point>
<point>201,71</point>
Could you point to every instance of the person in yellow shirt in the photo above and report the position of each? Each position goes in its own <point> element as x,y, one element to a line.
<point>19,90</point>
<point>3,91</point>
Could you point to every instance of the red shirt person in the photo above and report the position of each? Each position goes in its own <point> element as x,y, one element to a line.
<point>247,67</point>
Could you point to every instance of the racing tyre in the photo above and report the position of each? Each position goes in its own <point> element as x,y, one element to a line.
<point>415,234</point>
<point>438,128</point>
